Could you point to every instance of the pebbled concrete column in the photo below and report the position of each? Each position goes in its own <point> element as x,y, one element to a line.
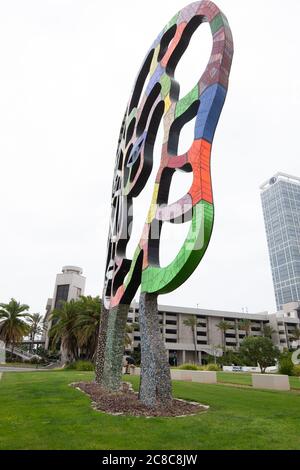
<point>101,346</point>
<point>156,385</point>
<point>112,373</point>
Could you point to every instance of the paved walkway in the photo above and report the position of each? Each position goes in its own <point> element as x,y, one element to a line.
<point>20,369</point>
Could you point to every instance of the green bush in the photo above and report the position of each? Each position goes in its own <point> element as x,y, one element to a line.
<point>297,370</point>
<point>81,365</point>
<point>209,367</point>
<point>213,368</point>
<point>188,367</point>
<point>286,367</point>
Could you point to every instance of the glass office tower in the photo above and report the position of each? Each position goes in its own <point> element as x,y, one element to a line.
<point>281,207</point>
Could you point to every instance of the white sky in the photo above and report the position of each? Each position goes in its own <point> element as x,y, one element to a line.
<point>67,68</point>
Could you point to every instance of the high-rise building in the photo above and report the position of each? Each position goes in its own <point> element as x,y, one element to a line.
<point>69,285</point>
<point>281,207</point>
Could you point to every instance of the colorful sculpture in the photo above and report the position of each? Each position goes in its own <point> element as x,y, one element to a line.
<point>134,163</point>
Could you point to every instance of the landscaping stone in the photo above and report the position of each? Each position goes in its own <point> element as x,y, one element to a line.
<point>181,375</point>
<point>271,382</point>
<point>204,377</point>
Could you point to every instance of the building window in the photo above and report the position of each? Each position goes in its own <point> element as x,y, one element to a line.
<point>62,293</point>
<point>171,332</point>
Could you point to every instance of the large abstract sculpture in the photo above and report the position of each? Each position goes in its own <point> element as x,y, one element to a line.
<point>134,163</point>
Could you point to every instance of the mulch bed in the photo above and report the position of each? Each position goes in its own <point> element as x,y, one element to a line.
<point>126,402</point>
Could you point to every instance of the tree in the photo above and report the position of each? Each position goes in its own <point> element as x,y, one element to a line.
<point>259,350</point>
<point>76,327</point>
<point>224,326</point>
<point>192,323</point>
<point>63,331</point>
<point>268,331</point>
<point>35,327</point>
<point>245,325</point>
<point>12,325</point>
<point>87,324</point>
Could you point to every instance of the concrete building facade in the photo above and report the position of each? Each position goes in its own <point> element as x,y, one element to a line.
<point>210,340</point>
<point>69,285</point>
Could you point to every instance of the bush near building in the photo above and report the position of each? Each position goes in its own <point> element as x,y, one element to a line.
<point>286,365</point>
<point>209,367</point>
<point>81,365</point>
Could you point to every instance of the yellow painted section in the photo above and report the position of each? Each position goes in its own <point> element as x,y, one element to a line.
<point>153,207</point>
<point>154,60</point>
<point>168,103</point>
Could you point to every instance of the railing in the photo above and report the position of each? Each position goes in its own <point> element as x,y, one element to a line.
<point>20,352</point>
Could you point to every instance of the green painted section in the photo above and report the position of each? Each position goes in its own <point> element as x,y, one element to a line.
<point>217,23</point>
<point>165,280</point>
<point>172,22</point>
<point>165,82</point>
<point>131,116</point>
<point>186,101</point>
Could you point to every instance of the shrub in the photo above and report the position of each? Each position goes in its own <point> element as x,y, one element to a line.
<point>85,366</point>
<point>286,367</point>
<point>213,368</point>
<point>188,367</point>
<point>297,370</point>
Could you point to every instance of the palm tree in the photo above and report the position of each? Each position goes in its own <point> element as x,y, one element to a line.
<point>35,320</point>
<point>245,325</point>
<point>12,325</point>
<point>63,330</point>
<point>87,324</point>
<point>268,331</point>
<point>192,323</point>
<point>224,326</point>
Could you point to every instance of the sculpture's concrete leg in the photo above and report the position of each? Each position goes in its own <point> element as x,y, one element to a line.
<point>112,373</point>
<point>100,355</point>
<point>156,385</point>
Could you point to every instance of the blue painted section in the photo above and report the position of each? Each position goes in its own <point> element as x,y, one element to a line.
<point>211,104</point>
<point>136,150</point>
<point>155,78</point>
<point>158,39</point>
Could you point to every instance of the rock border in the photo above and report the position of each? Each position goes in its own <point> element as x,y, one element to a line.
<point>126,403</point>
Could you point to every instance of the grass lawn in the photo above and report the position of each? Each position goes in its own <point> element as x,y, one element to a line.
<point>39,411</point>
<point>245,379</point>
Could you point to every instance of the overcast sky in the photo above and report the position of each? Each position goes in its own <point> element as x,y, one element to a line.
<point>67,68</point>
